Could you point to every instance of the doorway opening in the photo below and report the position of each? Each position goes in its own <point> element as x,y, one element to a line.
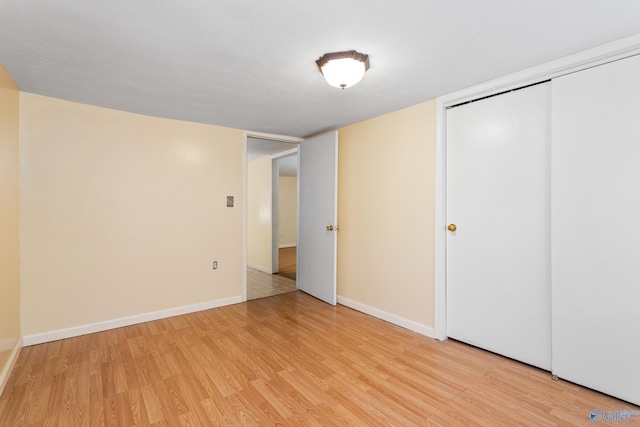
<point>271,215</point>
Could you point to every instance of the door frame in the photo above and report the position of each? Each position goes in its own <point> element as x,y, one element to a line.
<point>245,136</point>
<point>275,207</point>
<point>589,58</point>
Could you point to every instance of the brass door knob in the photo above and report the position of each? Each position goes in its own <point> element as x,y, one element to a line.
<point>452,227</point>
<point>329,227</point>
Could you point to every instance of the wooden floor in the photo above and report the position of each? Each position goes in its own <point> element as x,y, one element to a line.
<point>284,360</point>
<point>287,262</point>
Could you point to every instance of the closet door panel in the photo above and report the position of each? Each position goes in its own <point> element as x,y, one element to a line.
<point>498,197</point>
<point>595,224</point>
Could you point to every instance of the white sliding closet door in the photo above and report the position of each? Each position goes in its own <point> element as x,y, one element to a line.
<point>498,197</point>
<point>596,228</point>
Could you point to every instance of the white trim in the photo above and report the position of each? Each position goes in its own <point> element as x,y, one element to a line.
<point>297,219</point>
<point>244,215</point>
<point>440,232</point>
<point>275,215</point>
<point>287,153</point>
<point>260,268</point>
<point>589,58</point>
<point>387,317</point>
<point>8,367</point>
<point>287,245</point>
<point>272,137</point>
<point>125,321</point>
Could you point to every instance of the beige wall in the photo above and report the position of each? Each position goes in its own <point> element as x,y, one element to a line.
<point>9,214</point>
<point>259,226</point>
<point>386,205</point>
<point>123,214</point>
<point>287,210</point>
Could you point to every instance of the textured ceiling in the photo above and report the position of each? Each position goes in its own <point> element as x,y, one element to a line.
<point>250,64</point>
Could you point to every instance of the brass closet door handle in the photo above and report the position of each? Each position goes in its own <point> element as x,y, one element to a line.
<point>329,227</point>
<point>452,227</point>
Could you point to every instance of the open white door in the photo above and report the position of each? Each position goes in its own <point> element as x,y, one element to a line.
<point>317,216</point>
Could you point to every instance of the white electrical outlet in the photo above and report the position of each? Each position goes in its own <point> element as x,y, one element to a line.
<point>215,265</point>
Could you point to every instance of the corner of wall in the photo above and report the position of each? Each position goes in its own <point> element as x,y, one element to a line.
<point>8,367</point>
<point>10,286</point>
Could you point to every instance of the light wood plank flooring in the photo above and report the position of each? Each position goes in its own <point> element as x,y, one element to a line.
<point>283,360</point>
<point>287,262</point>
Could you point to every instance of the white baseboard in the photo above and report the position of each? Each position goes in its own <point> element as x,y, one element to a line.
<point>388,317</point>
<point>125,321</point>
<point>261,268</point>
<point>8,367</point>
<point>287,245</point>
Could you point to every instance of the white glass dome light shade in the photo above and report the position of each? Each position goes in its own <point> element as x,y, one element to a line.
<point>343,72</point>
<point>343,69</point>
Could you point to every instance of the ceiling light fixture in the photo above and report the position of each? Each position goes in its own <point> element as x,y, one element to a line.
<point>343,69</point>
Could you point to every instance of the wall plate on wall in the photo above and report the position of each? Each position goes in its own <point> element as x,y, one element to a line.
<point>229,201</point>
